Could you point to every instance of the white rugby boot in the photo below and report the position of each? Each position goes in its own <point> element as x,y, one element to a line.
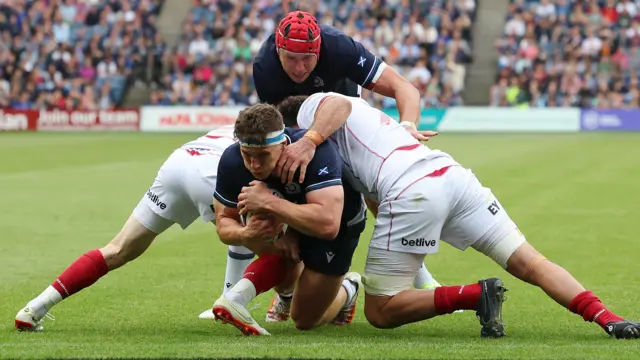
<point>230,312</point>
<point>28,320</point>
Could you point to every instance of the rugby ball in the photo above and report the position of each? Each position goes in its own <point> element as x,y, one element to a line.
<point>245,219</point>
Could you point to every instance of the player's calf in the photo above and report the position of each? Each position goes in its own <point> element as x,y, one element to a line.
<point>527,264</point>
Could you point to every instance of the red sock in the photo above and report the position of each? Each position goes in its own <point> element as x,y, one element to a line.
<point>266,272</point>
<point>591,308</point>
<point>451,298</point>
<point>82,273</point>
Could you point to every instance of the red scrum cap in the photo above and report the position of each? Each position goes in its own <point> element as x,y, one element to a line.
<point>299,32</point>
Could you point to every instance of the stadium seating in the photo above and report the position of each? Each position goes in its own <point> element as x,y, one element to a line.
<point>72,54</point>
<point>429,44</point>
<point>569,53</point>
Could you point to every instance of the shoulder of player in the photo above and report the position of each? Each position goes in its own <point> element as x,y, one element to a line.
<point>335,40</point>
<point>231,156</point>
<point>264,60</point>
<point>294,134</point>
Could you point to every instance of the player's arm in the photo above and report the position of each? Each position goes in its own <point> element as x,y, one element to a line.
<point>370,72</point>
<point>225,205</point>
<point>331,114</point>
<point>324,194</point>
<point>230,230</point>
<point>319,217</point>
<point>372,205</point>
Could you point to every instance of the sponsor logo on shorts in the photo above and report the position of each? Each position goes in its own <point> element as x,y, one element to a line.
<point>418,242</point>
<point>156,200</point>
<point>330,256</point>
<point>494,207</point>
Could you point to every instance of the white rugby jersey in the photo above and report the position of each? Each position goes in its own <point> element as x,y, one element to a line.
<point>376,149</point>
<point>214,142</point>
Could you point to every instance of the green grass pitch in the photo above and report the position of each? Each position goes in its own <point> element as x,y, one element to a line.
<point>576,198</point>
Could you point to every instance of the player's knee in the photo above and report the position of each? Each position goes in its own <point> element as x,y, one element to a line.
<point>305,320</point>
<point>304,324</point>
<point>376,317</point>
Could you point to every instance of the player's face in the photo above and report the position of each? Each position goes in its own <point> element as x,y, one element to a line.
<point>261,161</point>
<point>298,66</point>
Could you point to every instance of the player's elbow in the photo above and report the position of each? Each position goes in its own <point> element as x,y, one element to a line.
<point>226,234</point>
<point>329,227</point>
<point>225,238</point>
<point>405,89</point>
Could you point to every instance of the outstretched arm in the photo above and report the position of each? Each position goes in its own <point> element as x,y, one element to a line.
<point>330,115</point>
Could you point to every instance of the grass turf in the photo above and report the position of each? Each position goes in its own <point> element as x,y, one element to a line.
<point>574,196</point>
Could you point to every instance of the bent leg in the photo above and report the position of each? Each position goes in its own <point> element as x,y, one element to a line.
<point>132,240</point>
<point>317,299</point>
<point>390,302</point>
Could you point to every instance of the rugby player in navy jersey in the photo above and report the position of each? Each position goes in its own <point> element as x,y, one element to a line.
<point>325,217</point>
<point>303,58</point>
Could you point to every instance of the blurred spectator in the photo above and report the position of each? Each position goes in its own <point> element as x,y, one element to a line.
<point>74,54</point>
<point>428,41</point>
<point>581,53</point>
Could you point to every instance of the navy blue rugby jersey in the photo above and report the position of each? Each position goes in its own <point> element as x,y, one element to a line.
<point>324,170</point>
<point>343,64</point>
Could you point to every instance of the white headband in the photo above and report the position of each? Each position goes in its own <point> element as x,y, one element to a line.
<point>272,138</point>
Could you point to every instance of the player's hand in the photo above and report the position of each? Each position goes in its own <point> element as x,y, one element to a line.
<point>297,155</point>
<point>288,246</point>
<point>425,135</point>
<point>254,197</point>
<point>260,229</point>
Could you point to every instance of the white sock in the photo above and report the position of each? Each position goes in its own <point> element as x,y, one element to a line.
<point>239,257</point>
<point>242,293</point>
<point>350,288</point>
<point>45,301</point>
<point>285,297</point>
<point>422,278</point>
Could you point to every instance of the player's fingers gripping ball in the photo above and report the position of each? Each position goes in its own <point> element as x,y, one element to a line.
<point>280,227</point>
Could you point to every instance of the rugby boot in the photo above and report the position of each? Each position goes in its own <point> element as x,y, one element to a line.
<point>489,308</point>
<point>279,309</point>
<point>230,312</point>
<point>28,320</point>
<point>624,329</point>
<point>348,311</point>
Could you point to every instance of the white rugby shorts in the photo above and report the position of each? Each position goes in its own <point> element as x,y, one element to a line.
<point>181,192</point>
<point>422,209</point>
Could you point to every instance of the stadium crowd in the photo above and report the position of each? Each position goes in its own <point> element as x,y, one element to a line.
<point>428,41</point>
<point>569,53</point>
<point>74,54</point>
